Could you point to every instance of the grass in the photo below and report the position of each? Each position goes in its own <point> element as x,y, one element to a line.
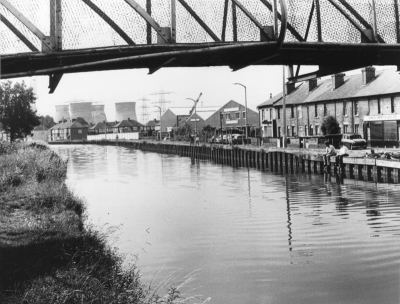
<point>47,253</point>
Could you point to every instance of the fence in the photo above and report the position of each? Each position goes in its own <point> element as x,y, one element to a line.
<point>131,135</point>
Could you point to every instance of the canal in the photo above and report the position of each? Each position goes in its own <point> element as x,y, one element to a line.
<point>246,236</point>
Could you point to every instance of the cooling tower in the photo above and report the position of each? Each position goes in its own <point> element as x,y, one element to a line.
<point>125,110</point>
<point>62,112</point>
<point>98,113</point>
<point>81,109</point>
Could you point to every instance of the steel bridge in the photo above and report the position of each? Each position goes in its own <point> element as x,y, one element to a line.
<point>53,37</point>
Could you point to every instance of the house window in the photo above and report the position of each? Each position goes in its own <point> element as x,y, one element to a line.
<point>279,113</point>
<point>392,105</point>
<point>356,129</point>
<point>80,131</point>
<point>316,110</point>
<point>243,115</point>
<point>221,116</point>
<point>306,130</point>
<point>228,116</point>
<point>356,108</point>
<point>270,114</point>
<point>345,128</point>
<point>293,132</point>
<point>292,112</point>
<point>316,130</point>
<point>344,108</point>
<point>379,106</point>
<point>279,131</point>
<point>300,112</point>
<point>288,131</point>
<point>238,115</point>
<point>311,130</point>
<point>325,110</point>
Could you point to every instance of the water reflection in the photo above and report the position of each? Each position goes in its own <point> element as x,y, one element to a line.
<point>257,237</point>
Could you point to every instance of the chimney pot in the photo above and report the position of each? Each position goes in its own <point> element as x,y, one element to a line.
<point>312,84</point>
<point>368,74</point>
<point>337,80</point>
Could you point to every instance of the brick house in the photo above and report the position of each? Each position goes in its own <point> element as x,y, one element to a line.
<point>231,115</point>
<point>173,117</point>
<point>367,104</point>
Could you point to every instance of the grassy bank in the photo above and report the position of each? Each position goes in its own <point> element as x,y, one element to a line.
<point>47,253</point>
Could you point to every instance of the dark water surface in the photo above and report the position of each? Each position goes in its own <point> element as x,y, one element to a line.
<point>253,236</point>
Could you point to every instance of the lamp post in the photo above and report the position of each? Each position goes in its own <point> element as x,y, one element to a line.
<point>245,100</point>
<point>105,125</point>
<point>160,122</point>
<point>195,105</point>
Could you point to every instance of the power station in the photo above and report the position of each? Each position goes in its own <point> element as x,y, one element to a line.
<point>125,110</point>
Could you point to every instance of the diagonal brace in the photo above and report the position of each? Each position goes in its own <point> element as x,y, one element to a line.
<point>289,26</point>
<point>199,20</point>
<point>355,24</point>
<point>165,63</point>
<point>107,19</point>
<point>54,80</point>
<point>46,40</point>
<point>253,19</point>
<point>18,34</point>
<point>148,19</point>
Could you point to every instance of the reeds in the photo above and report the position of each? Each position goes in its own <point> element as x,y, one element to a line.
<point>47,253</point>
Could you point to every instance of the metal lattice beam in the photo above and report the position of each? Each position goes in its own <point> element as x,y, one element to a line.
<point>146,16</point>
<point>18,34</point>
<point>199,20</point>
<point>109,21</point>
<point>291,29</point>
<point>46,40</point>
<point>253,19</point>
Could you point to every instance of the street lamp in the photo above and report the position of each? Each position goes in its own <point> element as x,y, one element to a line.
<point>195,105</point>
<point>160,122</point>
<point>245,100</point>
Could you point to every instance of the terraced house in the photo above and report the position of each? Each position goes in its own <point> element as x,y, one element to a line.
<point>367,104</point>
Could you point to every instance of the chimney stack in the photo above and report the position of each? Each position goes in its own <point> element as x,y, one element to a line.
<point>290,88</point>
<point>368,74</point>
<point>337,80</point>
<point>312,84</point>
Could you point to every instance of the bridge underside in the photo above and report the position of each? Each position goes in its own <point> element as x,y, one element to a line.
<point>330,57</point>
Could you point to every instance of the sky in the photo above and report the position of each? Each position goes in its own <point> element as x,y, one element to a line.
<point>215,83</point>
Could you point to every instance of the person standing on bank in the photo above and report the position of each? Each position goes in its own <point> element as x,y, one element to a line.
<point>342,153</point>
<point>330,151</point>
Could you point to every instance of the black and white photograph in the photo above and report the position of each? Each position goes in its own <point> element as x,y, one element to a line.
<point>200,151</point>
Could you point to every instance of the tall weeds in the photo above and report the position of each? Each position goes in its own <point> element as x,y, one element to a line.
<point>47,253</point>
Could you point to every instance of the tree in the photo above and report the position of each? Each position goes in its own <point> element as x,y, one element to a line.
<point>184,129</point>
<point>48,121</point>
<point>330,126</point>
<point>16,115</point>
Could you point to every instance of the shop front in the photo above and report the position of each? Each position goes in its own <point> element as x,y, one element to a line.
<point>382,130</point>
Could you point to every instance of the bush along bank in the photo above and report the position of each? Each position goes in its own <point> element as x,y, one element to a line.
<point>47,254</point>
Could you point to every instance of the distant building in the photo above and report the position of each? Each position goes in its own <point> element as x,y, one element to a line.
<point>150,125</point>
<point>367,104</point>
<point>101,128</point>
<point>173,117</point>
<point>231,115</point>
<point>128,126</point>
<point>41,133</point>
<point>69,130</point>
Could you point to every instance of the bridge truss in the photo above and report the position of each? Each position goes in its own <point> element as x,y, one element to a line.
<point>53,37</point>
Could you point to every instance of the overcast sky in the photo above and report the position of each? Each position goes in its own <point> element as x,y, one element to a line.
<point>216,84</point>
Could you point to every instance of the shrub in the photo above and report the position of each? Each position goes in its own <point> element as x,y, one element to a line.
<point>330,126</point>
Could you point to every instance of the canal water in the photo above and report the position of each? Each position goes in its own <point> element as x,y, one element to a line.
<point>246,236</point>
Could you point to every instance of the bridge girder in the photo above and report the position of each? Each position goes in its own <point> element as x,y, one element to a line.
<point>330,56</point>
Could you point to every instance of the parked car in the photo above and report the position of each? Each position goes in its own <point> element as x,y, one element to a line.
<point>238,139</point>
<point>354,141</point>
<point>218,140</point>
